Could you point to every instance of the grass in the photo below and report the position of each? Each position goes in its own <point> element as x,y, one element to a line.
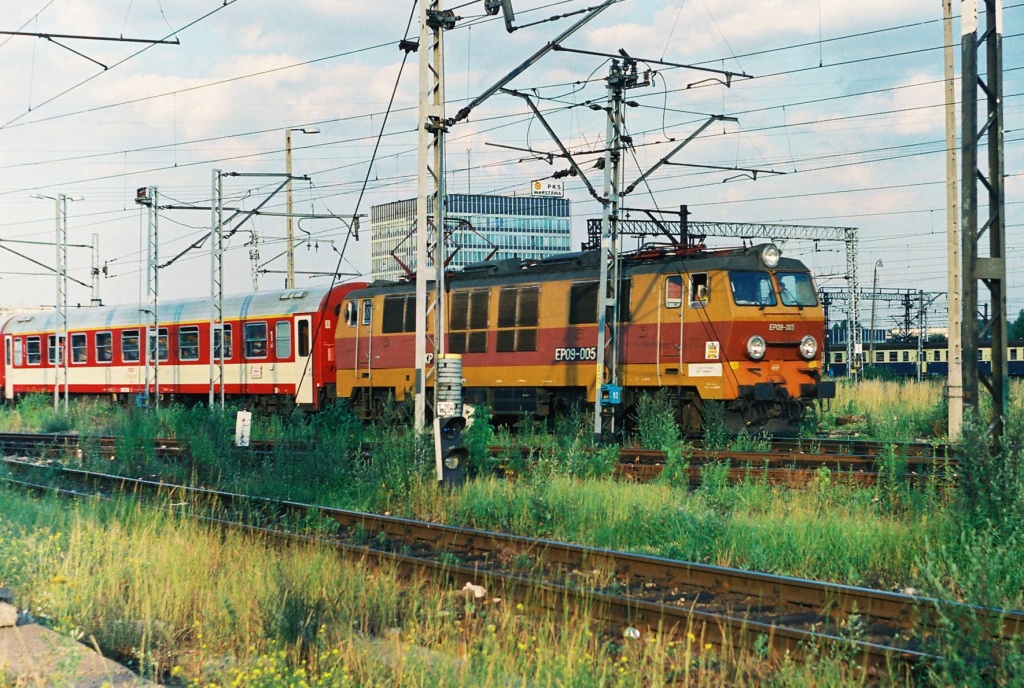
<point>192,607</point>
<point>965,544</point>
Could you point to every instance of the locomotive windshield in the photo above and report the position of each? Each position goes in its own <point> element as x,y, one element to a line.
<point>751,288</point>
<point>796,289</point>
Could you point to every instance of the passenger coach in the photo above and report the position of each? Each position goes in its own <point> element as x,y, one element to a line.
<point>278,346</point>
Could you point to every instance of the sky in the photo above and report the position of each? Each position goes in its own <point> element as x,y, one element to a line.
<point>842,116</point>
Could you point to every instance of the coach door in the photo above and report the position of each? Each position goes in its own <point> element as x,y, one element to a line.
<point>8,367</point>
<point>304,369</point>
<point>670,325</point>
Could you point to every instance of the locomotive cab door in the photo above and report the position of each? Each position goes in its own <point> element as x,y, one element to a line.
<point>8,367</point>
<point>670,323</point>
<point>304,369</point>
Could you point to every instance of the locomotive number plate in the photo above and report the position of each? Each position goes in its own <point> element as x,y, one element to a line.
<point>576,353</point>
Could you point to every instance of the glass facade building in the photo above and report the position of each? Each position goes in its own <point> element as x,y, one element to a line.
<point>525,227</point>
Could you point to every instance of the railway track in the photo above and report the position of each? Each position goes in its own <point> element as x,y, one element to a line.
<point>794,463</point>
<point>883,632</point>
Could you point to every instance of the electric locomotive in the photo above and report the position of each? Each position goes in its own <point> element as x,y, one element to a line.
<point>739,326</point>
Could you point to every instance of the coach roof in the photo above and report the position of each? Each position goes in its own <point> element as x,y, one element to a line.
<point>260,304</point>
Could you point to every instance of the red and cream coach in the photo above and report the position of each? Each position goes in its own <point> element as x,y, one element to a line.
<point>279,345</point>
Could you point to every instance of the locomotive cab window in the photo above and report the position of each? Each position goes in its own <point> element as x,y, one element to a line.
<point>33,351</point>
<point>188,343</point>
<point>352,313</point>
<point>79,348</point>
<point>673,291</point>
<point>104,347</point>
<point>583,303</point>
<point>367,311</point>
<point>222,333</point>
<point>283,338</point>
<point>698,290</point>
<point>255,340</point>
<point>752,288</point>
<point>936,355</point>
<point>130,346</point>
<point>796,289</point>
<point>518,318</point>
<point>399,314</point>
<point>468,319</point>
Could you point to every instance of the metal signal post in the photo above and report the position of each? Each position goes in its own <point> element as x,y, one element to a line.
<point>989,270</point>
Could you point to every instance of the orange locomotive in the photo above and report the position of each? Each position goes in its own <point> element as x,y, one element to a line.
<point>741,326</point>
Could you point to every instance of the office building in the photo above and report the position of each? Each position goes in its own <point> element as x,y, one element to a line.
<point>527,227</point>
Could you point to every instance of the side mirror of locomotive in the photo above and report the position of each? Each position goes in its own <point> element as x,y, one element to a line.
<point>449,453</point>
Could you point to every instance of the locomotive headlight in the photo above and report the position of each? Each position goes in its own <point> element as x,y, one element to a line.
<point>808,347</point>
<point>770,255</point>
<point>756,347</point>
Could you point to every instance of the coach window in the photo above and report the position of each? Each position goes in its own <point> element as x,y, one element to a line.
<point>468,318</point>
<point>33,351</point>
<point>256,340</point>
<point>352,313</point>
<point>17,351</point>
<point>52,351</point>
<point>222,332</point>
<point>699,290</point>
<point>188,343</point>
<point>893,356</point>
<point>583,303</point>
<point>104,347</point>
<point>879,356</point>
<point>160,342</point>
<point>7,354</point>
<point>673,291</point>
<point>1013,354</point>
<point>79,348</point>
<point>518,318</point>
<point>130,346</point>
<point>304,338</point>
<point>906,356</point>
<point>283,338</point>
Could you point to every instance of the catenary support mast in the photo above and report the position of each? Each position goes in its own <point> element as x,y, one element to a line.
<point>989,270</point>
<point>429,188</point>
<point>955,380</point>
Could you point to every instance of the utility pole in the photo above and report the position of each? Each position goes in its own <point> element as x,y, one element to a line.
<point>430,188</point>
<point>989,270</point>
<point>289,280</point>
<point>955,378</point>
<point>147,196</point>
<point>218,335</point>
